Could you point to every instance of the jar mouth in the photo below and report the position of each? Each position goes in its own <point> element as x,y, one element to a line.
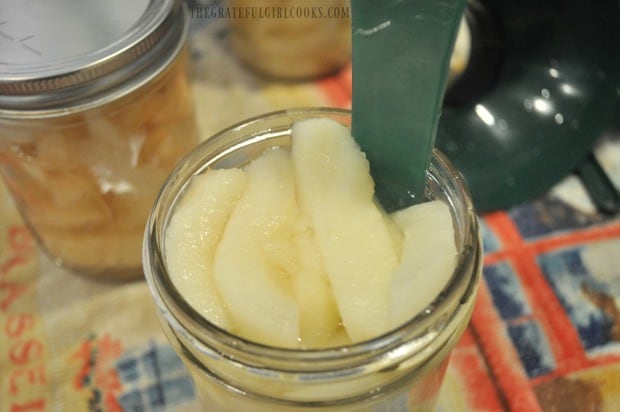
<point>448,305</point>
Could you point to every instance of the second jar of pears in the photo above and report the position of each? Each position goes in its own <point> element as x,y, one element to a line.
<point>95,110</point>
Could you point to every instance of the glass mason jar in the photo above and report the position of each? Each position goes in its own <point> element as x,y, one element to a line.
<point>290,39</point>
<point>399,371</point>
<point>95,111</point>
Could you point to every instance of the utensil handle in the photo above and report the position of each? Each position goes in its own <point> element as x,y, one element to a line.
<point>601,189</point>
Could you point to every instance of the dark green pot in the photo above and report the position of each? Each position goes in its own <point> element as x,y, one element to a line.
<point>542,86</point>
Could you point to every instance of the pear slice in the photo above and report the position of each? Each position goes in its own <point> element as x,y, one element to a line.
<point>428,259</point>
<point>257,293</point>
<point>335,189</point>
<point>192,237</point>
<point>318,313</point>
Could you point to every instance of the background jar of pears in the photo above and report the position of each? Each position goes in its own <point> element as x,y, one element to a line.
<point>291,39</point>
<point>95,110</point>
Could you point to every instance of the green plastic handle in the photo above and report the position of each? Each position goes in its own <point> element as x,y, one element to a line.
<point>401,58</point>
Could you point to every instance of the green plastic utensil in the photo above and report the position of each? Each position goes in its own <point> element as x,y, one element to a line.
<point>401,58</point>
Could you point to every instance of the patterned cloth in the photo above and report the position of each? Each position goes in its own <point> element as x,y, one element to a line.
<point>543,337</point>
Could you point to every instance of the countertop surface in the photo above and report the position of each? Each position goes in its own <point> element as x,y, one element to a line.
<point>544,334</point>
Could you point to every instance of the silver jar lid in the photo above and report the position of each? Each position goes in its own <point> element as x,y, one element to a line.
<point>74,54</point>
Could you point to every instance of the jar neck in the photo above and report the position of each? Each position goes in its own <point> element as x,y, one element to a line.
<point>435,324</point>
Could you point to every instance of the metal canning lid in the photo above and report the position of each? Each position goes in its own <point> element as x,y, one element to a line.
<point>76,54</point>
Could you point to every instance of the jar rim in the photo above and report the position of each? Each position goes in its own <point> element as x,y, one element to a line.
<point>458,290</point>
